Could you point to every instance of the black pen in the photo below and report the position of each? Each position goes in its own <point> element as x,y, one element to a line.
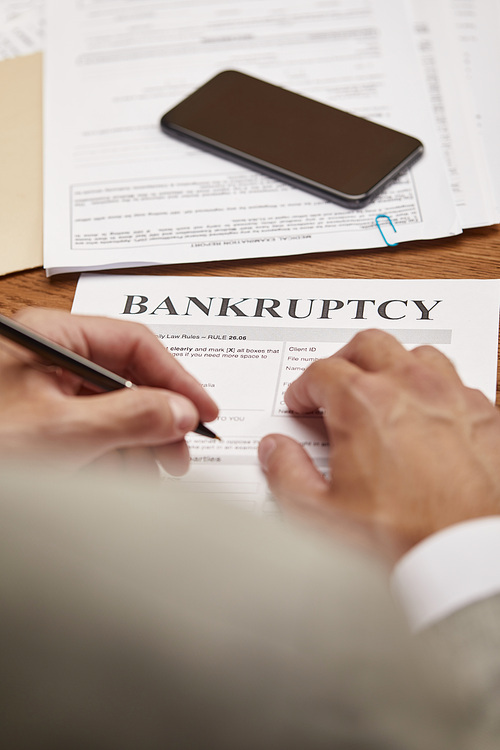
<point>55,354</point>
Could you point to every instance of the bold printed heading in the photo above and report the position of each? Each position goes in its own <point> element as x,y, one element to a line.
<point>262,307</point>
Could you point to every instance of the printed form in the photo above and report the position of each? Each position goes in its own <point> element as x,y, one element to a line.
<point>118,192</point>
<point>477,26</point>
<point>456,111</point>
<point>247,339</point>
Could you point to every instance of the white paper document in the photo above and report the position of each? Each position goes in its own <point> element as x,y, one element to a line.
<point>21,27</point>
<point>118,192</point>
<point>477,27</point>
<point>456,110</point>
<point>246,339</point>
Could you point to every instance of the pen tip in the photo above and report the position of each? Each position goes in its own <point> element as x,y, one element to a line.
<point>206,432</point>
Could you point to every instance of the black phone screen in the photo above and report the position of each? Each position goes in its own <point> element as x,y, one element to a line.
<point>330,152</point>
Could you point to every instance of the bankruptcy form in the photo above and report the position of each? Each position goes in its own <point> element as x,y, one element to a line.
<point>118,192</point>
<point>247,339</point>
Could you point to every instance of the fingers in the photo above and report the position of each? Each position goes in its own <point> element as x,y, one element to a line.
<point>375,351</point>
<point>129,349</point>
<point>173,458</point>
<point>372,350</point>
<point>86,428</point>
<point>437,360</point>
<point>322,385</point>
<point>292,477</point>
<point>127,461</point>
<point>139,418</point>
<point>326,383</point>
<point>139,462</point>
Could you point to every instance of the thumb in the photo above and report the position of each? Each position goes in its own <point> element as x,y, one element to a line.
<point>291,474</point>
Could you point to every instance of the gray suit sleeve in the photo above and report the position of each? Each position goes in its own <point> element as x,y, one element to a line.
<point>135,620</point>
<point>470,640</point>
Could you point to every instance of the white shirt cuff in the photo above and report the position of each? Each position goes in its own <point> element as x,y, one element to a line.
<point>449,570</point>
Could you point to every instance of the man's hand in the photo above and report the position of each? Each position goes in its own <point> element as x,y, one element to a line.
<point>56,418</point>
<point>412,450</point>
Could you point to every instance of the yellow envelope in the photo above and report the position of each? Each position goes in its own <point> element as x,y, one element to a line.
<point>21,163</point>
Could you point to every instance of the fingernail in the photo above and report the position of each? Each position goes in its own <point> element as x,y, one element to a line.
<point>184,414</point>
<point>267,447</point>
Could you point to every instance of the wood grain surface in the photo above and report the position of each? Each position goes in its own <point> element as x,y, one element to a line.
<point>473,255</point>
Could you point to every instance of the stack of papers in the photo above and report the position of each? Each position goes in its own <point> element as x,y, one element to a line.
<point>21,28</point>
<point>119,193</point>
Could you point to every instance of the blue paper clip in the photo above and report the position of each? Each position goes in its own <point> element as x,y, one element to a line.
<point>384,216</point>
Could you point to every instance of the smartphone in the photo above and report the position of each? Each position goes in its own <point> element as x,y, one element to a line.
<point>326,151</point>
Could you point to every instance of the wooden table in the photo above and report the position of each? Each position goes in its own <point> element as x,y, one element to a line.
<point>473,255</point>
